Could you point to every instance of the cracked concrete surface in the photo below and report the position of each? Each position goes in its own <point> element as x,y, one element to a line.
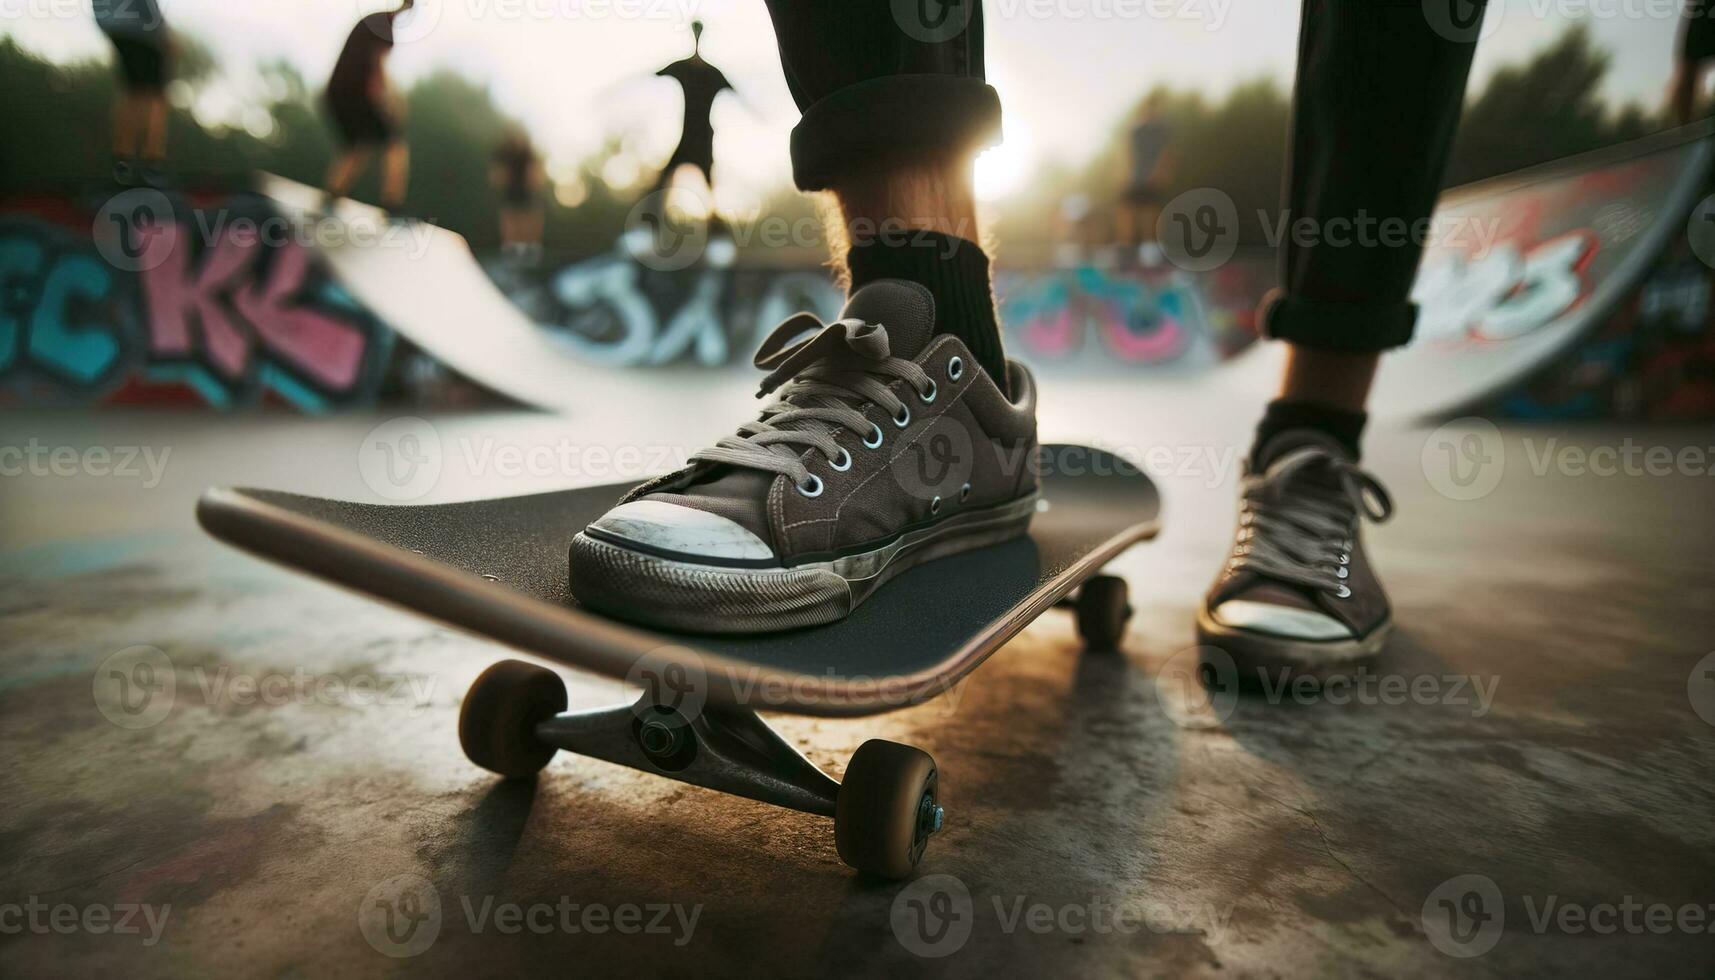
<point>1098,823</point>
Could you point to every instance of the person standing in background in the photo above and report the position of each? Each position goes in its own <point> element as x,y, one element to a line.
<point>1696,48</point>
<point>365,113</point>
<point>517,177</point>
<point>144,50</point>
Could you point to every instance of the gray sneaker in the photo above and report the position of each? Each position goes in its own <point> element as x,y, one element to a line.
<point>1298,592</point>
<point>886,446</point>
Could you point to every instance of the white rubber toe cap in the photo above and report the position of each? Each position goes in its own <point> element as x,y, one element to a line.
<point>1286,621</point>
<point>661,526</point>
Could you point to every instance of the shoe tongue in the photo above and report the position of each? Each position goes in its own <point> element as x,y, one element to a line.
<point>1292,439</point>
<point>906,309</point>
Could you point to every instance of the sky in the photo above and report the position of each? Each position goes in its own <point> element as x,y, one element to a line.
<point>579,71</point>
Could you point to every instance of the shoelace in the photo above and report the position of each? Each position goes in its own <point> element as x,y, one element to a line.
<point>822,384</point>
<point>1302,532</point>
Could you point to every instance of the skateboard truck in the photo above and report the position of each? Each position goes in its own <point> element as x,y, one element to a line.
<point>514,719</point>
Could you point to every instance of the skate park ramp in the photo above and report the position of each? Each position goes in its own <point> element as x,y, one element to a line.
<point>1525,268</point>
<point>424,281</point>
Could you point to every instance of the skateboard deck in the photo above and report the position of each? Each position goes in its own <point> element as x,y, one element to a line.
<point>497,568</point>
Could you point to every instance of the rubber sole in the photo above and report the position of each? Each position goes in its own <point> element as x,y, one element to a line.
<point>681,595</point>
<point>1259,655</point>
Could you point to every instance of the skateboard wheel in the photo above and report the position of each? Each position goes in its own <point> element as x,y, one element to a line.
<point>1103,611</point>
<point>497,723</point>
<point>887,808</point>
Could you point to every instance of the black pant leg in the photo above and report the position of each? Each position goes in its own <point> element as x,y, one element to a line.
<point>882,81</point>
<point>1379,90</point>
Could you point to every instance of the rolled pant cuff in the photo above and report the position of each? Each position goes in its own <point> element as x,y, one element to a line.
<point>865,127</point>
<point>1358,328</point>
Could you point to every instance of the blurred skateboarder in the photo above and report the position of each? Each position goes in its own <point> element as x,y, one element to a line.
<point>701,83</point>
<point>1146,192</point>
<point>366,113</point>
<point>143,47</point>
<point>1696,49</point>
<point>517,177</point>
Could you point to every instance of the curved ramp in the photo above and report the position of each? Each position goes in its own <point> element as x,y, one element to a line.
<point>1525,267</point>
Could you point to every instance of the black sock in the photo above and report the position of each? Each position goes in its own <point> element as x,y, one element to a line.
<point>957,274</point>
<point>1282,414</point>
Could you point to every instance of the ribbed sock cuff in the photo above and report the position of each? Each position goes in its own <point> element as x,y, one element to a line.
<point>956,272</point>
<point>1282,415</point>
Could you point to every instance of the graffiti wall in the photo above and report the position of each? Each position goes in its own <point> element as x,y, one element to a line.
<point>146,296</point>
<point>615,311</point>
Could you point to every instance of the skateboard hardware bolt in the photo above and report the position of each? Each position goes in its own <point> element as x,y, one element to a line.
<point>660,738</point>
<point>930,816</point>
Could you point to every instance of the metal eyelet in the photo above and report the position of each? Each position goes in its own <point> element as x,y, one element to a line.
<point>1340,571</point>
<point>955,367</point>
<point>846,457</point>
<point>930,397</point>
<point>964,493</point>
<point>876,442</point>
<point>814,482</point>
<point>935,505</point>
<point>1345,559</point>
<point>903,419</point>
<point>1345,591</point>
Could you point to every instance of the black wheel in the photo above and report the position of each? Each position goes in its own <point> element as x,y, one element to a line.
<point>497,724</point>
<point>1103,611</point>
<point>887,808</point>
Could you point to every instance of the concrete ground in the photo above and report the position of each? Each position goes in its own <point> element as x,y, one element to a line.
<point>273,784</point>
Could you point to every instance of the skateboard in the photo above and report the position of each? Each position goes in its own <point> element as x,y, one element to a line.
<point>497,568</point>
